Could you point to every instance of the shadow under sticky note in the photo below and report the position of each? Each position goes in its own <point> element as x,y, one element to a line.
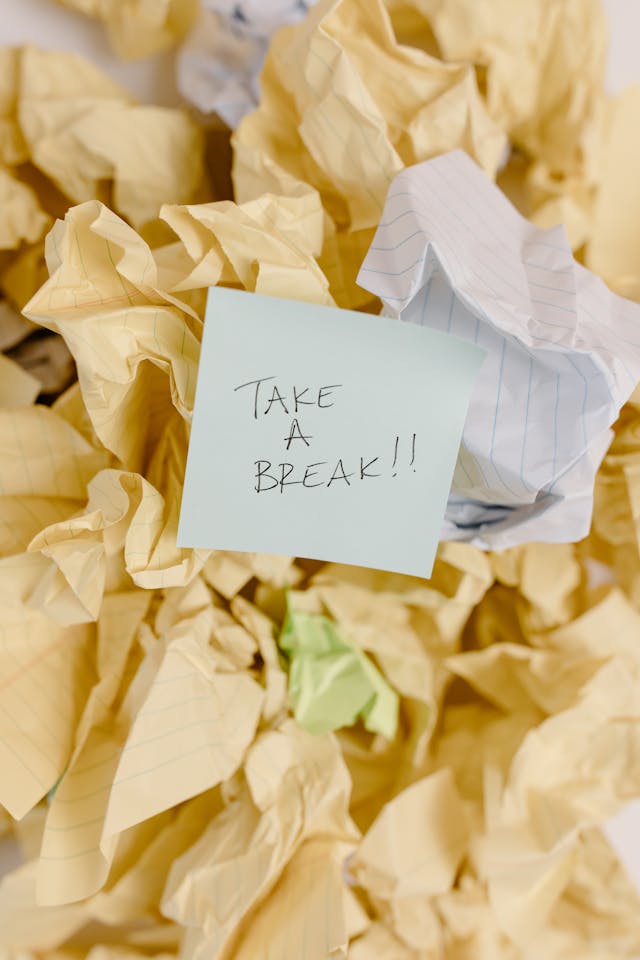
<point>323,433</point>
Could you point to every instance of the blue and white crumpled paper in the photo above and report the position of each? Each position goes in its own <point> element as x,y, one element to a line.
<point>563,351</point>
<point>219,65</point>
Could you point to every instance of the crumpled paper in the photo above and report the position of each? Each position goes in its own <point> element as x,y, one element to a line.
<point>218,65</point>
<point>120,852</point>
<point>140,28</point>
<point>517,638</point>
<point>456,74</point>
<point>548,96</point>
<point>68,133</point>
<point>612,250</point>
<point>17,387</point>
<point>344,108</point>
<point>291,808</point>
<point>21,219</point>
<point>134,821</point>
<point>331,682</point>
<point>138,305</point>
<point>545,93</point>
<point>81,131</point>
<point>451,253</point>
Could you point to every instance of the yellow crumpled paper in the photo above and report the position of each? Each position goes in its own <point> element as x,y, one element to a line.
<point>543,72</point>
<point>344,108</point>
<point>139,28</point>
<point>542,69</point>
<point>362,89</point>
<point>69,134</point>
<point>21,219</point>
<point>613,250</point>
<point>157,798</point>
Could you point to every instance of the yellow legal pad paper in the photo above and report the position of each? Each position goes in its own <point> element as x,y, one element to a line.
<point>323,433</point>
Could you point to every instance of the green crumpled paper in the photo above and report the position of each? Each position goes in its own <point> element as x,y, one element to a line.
<point>331,681</point>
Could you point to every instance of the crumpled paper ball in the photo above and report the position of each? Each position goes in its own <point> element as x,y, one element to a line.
<point>219,63</point>
<point>69,133</point>
<point>72,134</point>
<point>562,351</point>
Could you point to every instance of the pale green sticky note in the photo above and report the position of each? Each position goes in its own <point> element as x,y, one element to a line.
<point>331,681</point>
<point>323,433</point>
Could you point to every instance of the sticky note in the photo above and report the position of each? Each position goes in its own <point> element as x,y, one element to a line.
<point>323,433</point>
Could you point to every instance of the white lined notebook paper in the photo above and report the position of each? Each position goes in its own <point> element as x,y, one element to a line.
<point>452,253</point>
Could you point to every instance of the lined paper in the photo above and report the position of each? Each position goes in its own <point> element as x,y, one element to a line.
<point>285,833</point>
<point>182,728</point>
<point>71,857</point>
<point>453,254</point>
<point>190,734</point>
<point>46,670</point>
<point>304,915</point>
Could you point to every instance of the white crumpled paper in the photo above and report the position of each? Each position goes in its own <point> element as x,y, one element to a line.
<point>219,65</point>
<point>563,352</point>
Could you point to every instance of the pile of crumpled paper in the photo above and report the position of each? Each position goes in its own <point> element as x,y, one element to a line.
<point>168,784</point>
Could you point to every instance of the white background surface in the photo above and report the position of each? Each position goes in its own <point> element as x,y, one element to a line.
<point>43,23</point>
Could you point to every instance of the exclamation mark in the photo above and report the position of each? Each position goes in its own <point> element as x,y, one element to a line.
<point>413,452</point>
<point>395,455</point>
